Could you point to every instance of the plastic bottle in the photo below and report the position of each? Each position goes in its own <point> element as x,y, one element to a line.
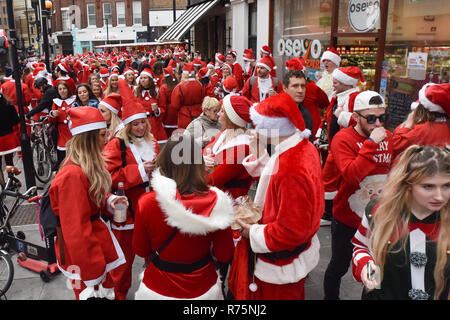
<point>120,211</point>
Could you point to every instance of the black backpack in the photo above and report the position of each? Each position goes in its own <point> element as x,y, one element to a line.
<point>47,218</point>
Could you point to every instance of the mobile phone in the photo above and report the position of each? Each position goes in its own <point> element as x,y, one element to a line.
<point>370,271</point>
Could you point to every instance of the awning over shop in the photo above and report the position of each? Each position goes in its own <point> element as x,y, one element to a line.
<point>182,25</point>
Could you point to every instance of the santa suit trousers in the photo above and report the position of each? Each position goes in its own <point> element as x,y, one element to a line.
<point>122,275</point>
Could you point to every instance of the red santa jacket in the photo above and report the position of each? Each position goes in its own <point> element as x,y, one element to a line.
<point>230,175</point>
<point>203,224</point>
<point>155,118</point>
<point>346,100</point>
<point>133,175</point>
<point>428,133</point>
<point>170,116</point>
<point>290,193</point>
<point>238,74</point>
<point>187,98</point>
<point>362,166</point>
<point>62,106</point>
<point>69,81</point>
<point>252,93</point>
<point>90,248</point>
<point>315,100</point>
<point>9,91</point>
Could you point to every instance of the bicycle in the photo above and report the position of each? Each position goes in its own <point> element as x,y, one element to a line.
<point>31,256</point>
<point>43,150</point>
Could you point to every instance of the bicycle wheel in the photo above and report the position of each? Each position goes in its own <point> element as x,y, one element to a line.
<point>42,163</point>
<point>6,272</point>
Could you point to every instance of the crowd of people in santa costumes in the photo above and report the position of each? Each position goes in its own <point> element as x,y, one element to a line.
<point>186,138</point>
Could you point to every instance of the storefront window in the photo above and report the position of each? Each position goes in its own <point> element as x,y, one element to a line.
<point>417,50</point>
<point>301,28</point>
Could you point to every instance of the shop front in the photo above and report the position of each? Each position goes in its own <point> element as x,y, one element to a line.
<point>399,44</point>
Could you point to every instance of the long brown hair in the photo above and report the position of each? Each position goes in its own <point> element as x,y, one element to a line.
<point>152,89</point>
<point>84,150</point>
<point>421,115</point>
<point>181,160</point>
<point>391,219</point>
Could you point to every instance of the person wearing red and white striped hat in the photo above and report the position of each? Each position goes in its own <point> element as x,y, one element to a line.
<point>263,85</point>
<point>284,239</point>
<point>427,124</point>
<point>265,51</point>
<point>140,148</point>
<point>147,95</point>
<point>331,60</point>
<point>62,73</point>
<point>111,109</point>
<point>249,64</point>
<point>187,97</point>
<point>84,239</point>
<point>237,70</point>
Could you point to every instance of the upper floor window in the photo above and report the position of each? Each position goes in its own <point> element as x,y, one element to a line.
<point>92,19</point>
<point>137,12</point>
<point>120,11</point>
<point>107,13</point>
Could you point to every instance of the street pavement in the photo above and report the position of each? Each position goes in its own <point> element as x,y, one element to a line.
<point>27,285</point>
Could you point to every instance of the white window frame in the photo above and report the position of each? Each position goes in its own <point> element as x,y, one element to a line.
<point>65,14</point>
<point>120,14</point>
<point>137,4</point>
<point>87,12</point>
<point>109,15</point>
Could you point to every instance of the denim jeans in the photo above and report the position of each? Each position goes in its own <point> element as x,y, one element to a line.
<point>341,257</point>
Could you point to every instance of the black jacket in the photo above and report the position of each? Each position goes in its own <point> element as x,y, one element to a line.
<point>46,101</point>
<point>307,118</point>
<point>8,119</point>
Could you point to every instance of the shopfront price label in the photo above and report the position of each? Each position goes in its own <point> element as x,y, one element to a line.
<point>364,15</point>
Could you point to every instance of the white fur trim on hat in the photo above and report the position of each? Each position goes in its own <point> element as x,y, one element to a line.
<point>260,64</point>
<point>430,106</point>
<point>109,107</point>
<point>271,126</point>
<point>87,127</point>
<point>134,117</point>
<point>344,78</point>
<point>328,55</point>
<point>146,73</point>
<point>231,113</point>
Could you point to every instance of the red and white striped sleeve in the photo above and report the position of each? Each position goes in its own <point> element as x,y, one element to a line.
<point>361,254</point>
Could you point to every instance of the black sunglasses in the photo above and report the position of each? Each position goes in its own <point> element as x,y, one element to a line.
<point>371,118</point>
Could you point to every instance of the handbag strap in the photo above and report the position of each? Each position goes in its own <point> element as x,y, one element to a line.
<point>163,246</point>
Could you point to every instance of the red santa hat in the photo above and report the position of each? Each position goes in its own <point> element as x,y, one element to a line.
<point>132,110</point>
<point>63,66</point>
<point>112,102</point>
<point>147,72</point>
<point>248,55</point>
<point>278,115</point>
<point>169,72</point>
<point>266,62</point>
<point>188,69</point>
<point>172,64</point>
<point>237,109</point>
<point>332,55</point>
<point>266,50</point>
<point>203,73</point>
<point>104,73</point>
<point>230,85</point>
<point>233,53</point>
<point>197,62</point>
<point>211,65</point>
<point>83,119</point>
<point>221,58</point>
<point>436,97</point>
<point>128,70</point>
<point>296,64</point>
<point>115,73</point>
<point>348,75</point>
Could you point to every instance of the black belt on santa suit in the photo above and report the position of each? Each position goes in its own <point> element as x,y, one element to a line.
<point>272,256</point>
<point>177,267</point>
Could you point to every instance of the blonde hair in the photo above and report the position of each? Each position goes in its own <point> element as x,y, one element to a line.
<point>125,134</point>
<point>109,90</point>
<point>390,221</point>
<point>209,103</point>
<point>84,151</point>
<point>114,123</point>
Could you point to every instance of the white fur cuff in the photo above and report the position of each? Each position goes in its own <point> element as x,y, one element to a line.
<point>257,239</point>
